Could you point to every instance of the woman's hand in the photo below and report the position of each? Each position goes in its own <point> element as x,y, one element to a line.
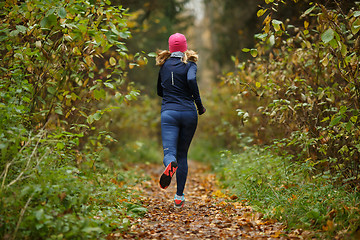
<point>201,110</point>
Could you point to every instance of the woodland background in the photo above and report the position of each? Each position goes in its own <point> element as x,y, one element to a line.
<point>280,81</point>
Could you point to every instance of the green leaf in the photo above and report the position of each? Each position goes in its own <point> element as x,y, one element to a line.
<point>355,27</point>
<point>246,50</point>
<point>109,85</point>
<point>342,109</point>
<point>125,34</point>
<point>308,11</point>
<point>90,119</point>
<point>99,94</point>
<point>92,229</point>
<point>334,44</point>
<point>325,119</point>
<point>272,40</point>
<point>152,54</point>
<point>58,110</point>
<point>327,36</point>
<point>349,126</point>
<point>91,75</point>
<point>139,210</point>
<point>132,95</point>
<point>14,33</point>
<point>126,222</point>
<point>60,145</point>
<point>112,61</point>
<point>62,12</point>
<point>39,214</point>
<point>356,13</point>
<point>353,119</point>
<point>48,21</point>
<point>97,116</point>
<point>343,49</point>
<point>39,226</point>
<point>261,36</point>
<point>276,24</point>
<point>253,52</point>
<point>335,120</point>
<point>51,90</point>
<point>26,99</point>
<point>21,28</point>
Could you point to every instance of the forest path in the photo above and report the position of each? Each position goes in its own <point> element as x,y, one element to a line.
<point>207,213</point>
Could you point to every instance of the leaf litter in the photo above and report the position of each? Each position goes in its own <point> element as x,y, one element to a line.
<point>208,213</point>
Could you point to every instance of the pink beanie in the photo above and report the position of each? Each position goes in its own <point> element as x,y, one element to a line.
<point>177,42</point>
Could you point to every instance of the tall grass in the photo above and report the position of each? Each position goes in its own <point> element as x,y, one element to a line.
<point>284,191</point>
<point>44,196</point>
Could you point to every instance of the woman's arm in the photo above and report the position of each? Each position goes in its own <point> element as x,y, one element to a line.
<point>159,87</point>
<point>191,78</point>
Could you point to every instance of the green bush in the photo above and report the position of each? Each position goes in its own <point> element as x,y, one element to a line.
<point>57,202</point>
<point>59,60</point>
<point>285,191</point>
<point>306,77</point>
<point>56,66</point>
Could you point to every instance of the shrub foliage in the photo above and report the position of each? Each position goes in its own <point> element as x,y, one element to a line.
<point>59,59</point>
<point>306,79</point>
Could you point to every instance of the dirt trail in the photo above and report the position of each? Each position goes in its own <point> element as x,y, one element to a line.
<point>207,213</point>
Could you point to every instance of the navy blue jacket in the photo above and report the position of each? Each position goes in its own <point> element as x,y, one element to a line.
<point>177,85</point>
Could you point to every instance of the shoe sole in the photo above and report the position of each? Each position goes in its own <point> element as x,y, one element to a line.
<point>169,172</point>
<point>179,205</point>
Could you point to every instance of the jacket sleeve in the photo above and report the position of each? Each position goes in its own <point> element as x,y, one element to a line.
<point>191,78</point>
<point>159,87</point>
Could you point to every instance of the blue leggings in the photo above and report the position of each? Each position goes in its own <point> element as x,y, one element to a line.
<point>177,131</point>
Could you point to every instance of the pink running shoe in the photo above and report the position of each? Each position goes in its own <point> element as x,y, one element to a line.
<point>165,178</point>
<point>179,201</point>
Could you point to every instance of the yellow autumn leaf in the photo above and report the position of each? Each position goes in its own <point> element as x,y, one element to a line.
<point>76,51</point>
<point>88,60</point>
<point>253,52</point>
<point>112,61</point>
<point>132,65</point>
<point>306,24</point>
<point>261,12</point>
<point>325,61</point>
<point>267,20</point>
<point>219,194</point>
<point>276,234</point>
<point>266,29</point>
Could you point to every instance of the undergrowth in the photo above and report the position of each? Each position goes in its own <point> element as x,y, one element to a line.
<point>66,201</point>
<point>285,191</point>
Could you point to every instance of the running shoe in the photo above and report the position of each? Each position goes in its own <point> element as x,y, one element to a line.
<point>179,201</point>
<point>165,178</point>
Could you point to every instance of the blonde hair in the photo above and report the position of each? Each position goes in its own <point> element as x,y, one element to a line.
<point>163,55</point>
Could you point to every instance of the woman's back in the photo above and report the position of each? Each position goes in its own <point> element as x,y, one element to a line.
<point>177,94</point>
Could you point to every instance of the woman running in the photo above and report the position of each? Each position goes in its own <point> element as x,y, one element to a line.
<point>179,91</point>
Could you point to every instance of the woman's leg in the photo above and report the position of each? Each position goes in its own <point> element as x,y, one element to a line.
<point>170,128</point>
<point>187,130</point>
